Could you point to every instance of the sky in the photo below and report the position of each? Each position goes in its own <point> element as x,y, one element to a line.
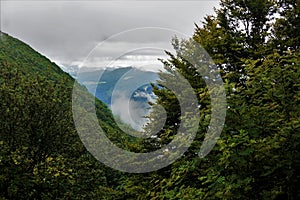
<point>100,34</point>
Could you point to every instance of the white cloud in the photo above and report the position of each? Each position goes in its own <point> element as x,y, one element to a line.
<point>66,31</point>
<point>130,112</point>
<point>143,62</point>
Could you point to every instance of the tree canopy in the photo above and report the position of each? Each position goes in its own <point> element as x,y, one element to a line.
<point>255,45</point>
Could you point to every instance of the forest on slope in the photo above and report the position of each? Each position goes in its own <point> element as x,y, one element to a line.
<point>254,44</point>
<point>41,155</point>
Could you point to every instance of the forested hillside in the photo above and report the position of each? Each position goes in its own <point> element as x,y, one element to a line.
<point>41,155</point>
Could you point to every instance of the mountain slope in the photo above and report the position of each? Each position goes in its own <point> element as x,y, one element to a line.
<point>109,78</point>
<point>41,155</point>
<point>27,60</point>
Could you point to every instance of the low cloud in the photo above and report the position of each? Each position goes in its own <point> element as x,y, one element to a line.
<point>130,112</point>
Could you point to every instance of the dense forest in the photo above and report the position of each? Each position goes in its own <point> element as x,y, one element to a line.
<point>254,45</point>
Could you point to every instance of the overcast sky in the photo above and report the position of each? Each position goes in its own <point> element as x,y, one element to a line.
<point>67,32</point>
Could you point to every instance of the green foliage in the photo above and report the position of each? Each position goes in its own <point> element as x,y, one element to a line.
<point>257,155</point>
<point>41,155</point>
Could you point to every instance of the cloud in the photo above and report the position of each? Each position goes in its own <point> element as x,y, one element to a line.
<point>143,62</point>
<point>66,31</point>
<point>130,112</point>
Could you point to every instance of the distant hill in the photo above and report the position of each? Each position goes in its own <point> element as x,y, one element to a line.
<point>117,86</point>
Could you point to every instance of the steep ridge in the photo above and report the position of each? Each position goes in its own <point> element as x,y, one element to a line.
<point>41,154</point>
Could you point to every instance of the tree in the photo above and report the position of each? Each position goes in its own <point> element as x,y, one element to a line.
<point>286,29</point>
<point>258,152</point>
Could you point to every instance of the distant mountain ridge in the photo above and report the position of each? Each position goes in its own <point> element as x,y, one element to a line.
<point>110,77</point>
<point>118,87</point>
